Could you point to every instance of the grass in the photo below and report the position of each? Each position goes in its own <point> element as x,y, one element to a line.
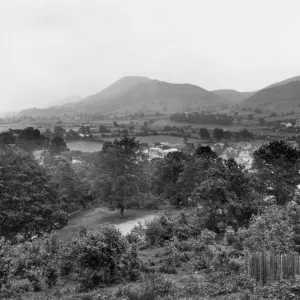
<point>93,218</point>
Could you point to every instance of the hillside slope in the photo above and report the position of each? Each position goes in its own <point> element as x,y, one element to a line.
<point>292,79</point>
<point>282,97</point>
<point>233,96</point>
<point>141,94</point>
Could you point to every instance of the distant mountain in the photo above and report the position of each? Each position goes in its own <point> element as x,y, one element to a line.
<point>141,94</point>
<point>233,96</point>
<point>57,107</point>
<point>292,79</point>
<point>279,97</point>
<point>135,94</point>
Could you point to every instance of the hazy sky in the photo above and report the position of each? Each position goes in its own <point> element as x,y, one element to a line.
<point>51,48</point>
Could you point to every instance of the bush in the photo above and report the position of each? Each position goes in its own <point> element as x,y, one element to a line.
<point>137,236</point>
<point>235,265</point>
<point>172,258</point>
<point>154,287</point>
<point>284,289</point>
<point>148,201</point>
<point>30,264</point>
<point>159,230</point>
<point>98,258</point>
<point>272,231</point>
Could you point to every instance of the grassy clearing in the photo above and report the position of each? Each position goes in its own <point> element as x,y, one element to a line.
<point>93,218</point>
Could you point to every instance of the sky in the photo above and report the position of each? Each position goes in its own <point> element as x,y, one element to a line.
<point>53,48</point>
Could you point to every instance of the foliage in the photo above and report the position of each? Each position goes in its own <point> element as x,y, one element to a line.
<point>159,230</point>
<point>202,118</point>
<point>195,170</point>
<point>29,203</point>
<point>227,196</point>
<point>120,161</point>
<point>270,231</point>
<point>29,265</point>
<point>97,257</point>
<point>218,133</point>
<point>148,201</point>
<point>283,289</point>
<point>74,189</point>
<point>204,133</point>
<point>167,174</point>
<point>57,145</point>
<point>277,167</point>
<point>154,287</point>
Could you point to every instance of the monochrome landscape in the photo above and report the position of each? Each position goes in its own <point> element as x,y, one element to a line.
<point>149,150</point>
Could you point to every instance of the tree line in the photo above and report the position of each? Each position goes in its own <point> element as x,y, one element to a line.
<point>202,118</point>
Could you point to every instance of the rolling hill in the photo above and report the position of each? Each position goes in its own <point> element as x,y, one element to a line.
<point>280,97</point>
<point>292,79</point>
<point>141,94</point>
<point>233,96</point>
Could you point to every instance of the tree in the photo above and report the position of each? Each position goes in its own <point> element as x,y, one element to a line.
<point>227,135</point>
<point>245,134</point>
<point>204,134</point>
<point>167,174</point>
<point>6,138</point>
<point>29,202</point>
<point>218,133</point>
<point>59,131</point>
<point>227,195</point>
<point>58,145</point>
<point>271,231</point>
<point>102,129</point>
<point>119,160</point>
<point>195,169</point>
<point>72,188</point>
<point>262,121</point>
<point>125,132</point>
<point>277,166</point>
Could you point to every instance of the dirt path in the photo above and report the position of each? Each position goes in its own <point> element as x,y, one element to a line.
<point>93,218</point>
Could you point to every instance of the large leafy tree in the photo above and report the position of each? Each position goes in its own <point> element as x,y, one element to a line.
<point>29,203</point>
<point>204,134</point>
<point>195,169</point>
<point>227,195</point>
<point>167,174</point>
<point>58,145</point>
<point>277,166</point>
<point>74,189</point>
<point>218,133</point>
<point>120,162</point>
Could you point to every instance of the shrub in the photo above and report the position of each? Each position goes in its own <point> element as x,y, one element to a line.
<point>172,258</point>
<point>271,231</point>
<point>154,287</point>
<point>235,265</point>
<point>137,236</point>
<point>159,230</point>
<point>5,261</point>
<point>98,257</point>
<point>148,201</point>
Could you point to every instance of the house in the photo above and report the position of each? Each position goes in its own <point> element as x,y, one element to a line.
<point>288,125</point>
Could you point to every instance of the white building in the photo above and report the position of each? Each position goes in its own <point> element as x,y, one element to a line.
<point>156,152</point>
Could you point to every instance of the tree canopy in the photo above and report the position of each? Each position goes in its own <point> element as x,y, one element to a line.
<point>29,203</point>
<point>277,167</point>
<point>120,162</point>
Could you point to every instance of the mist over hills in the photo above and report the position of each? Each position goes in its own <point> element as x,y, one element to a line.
<point>141,94</point>
<point>280,97</point>
<point>233,96</point>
